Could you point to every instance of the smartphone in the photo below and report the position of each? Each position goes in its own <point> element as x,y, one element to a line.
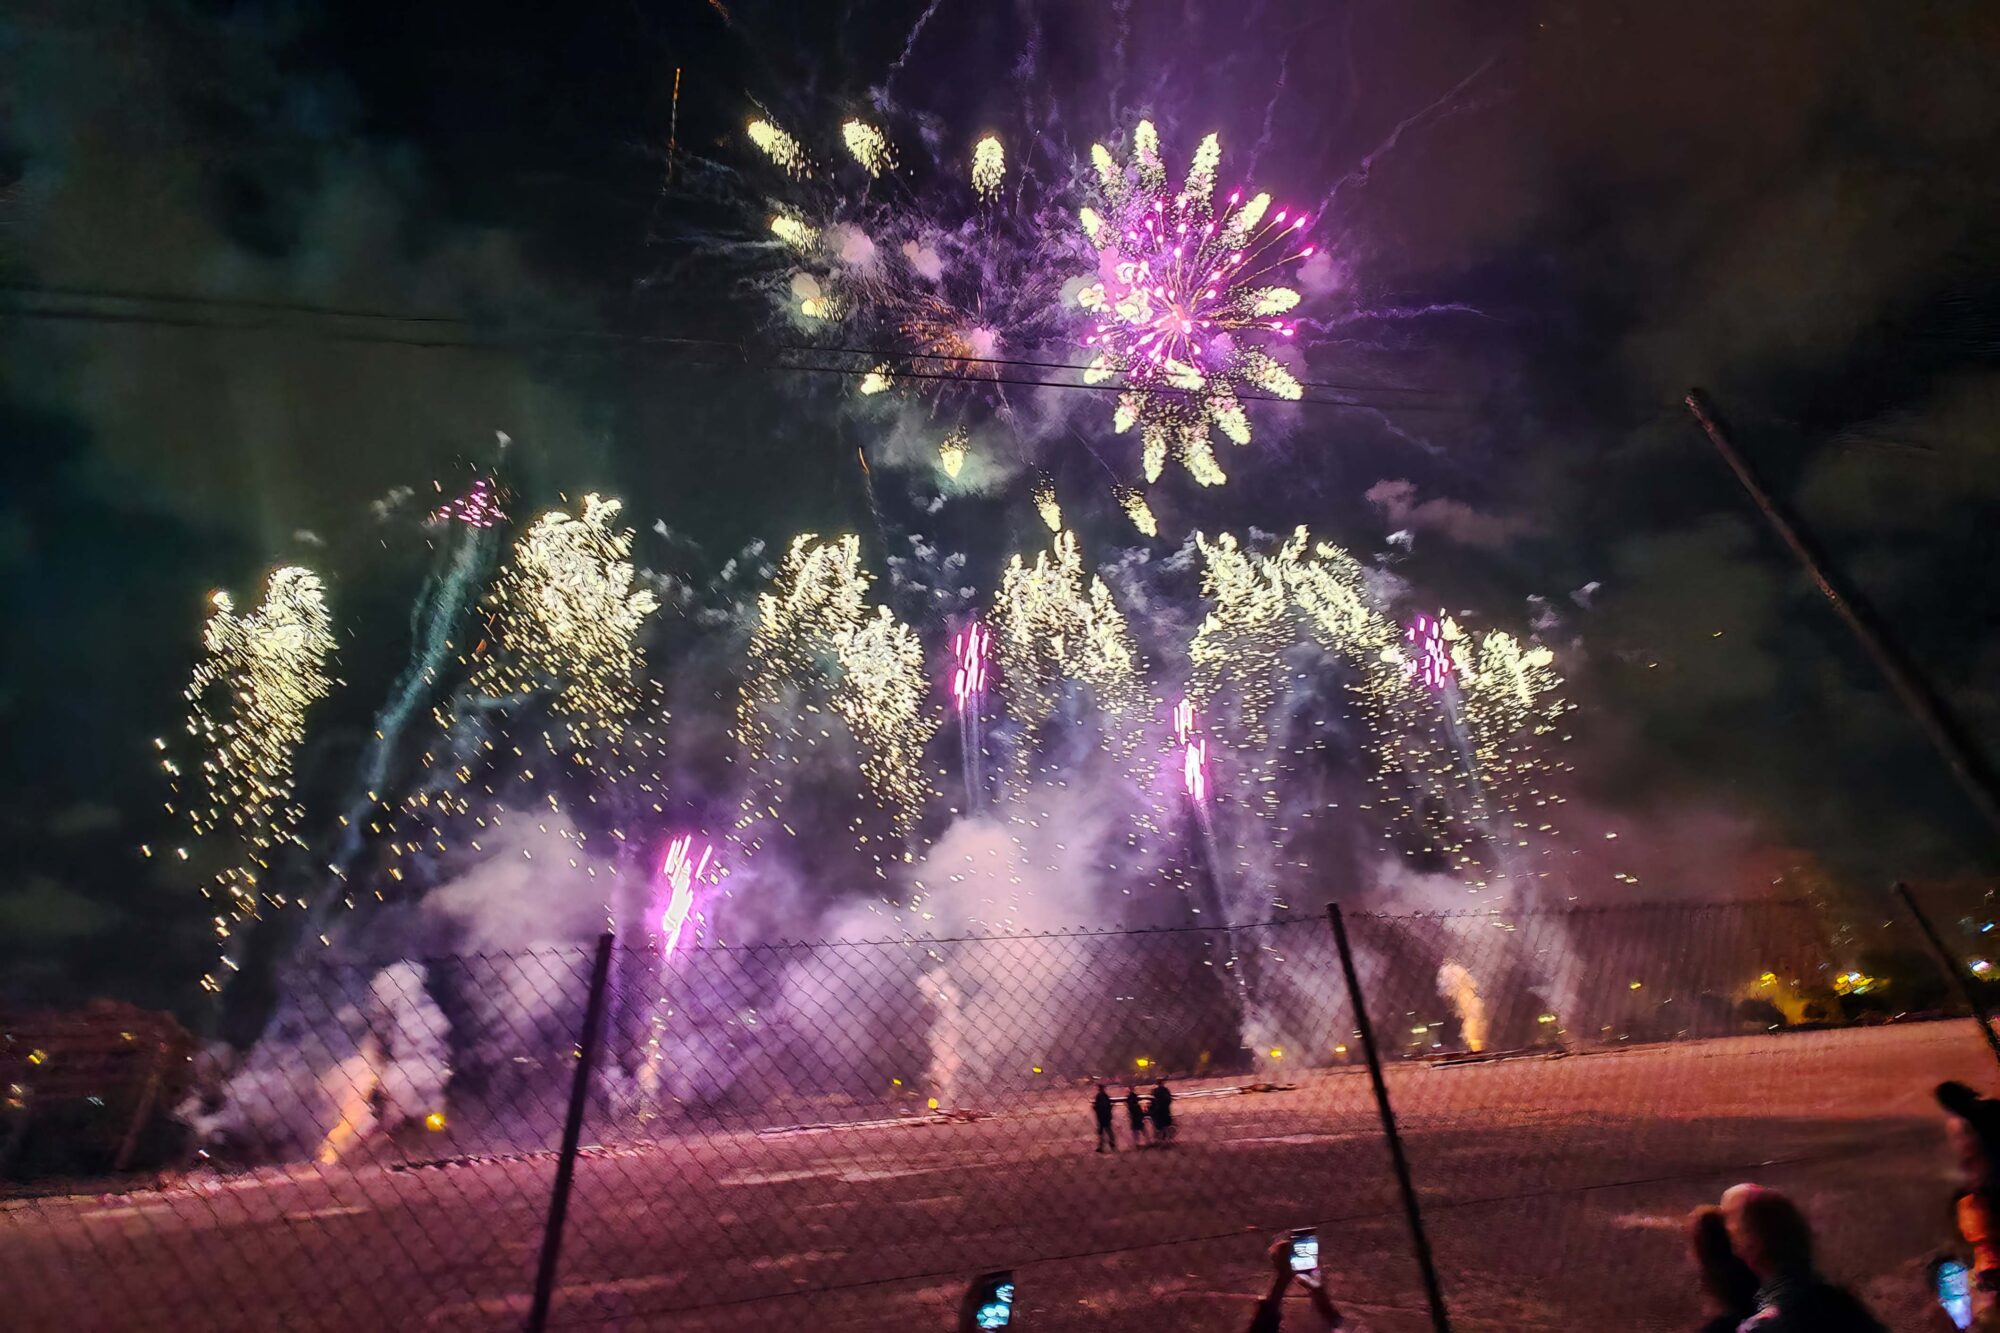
<point>1952,1281</point>
<point>1305,1256</point>
<point>993,1301</point>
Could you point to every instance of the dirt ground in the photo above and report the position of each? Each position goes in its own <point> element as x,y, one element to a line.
<point>1553,1190</point>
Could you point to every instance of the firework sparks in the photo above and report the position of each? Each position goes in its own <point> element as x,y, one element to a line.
<point>1428,658</point>
<point>566,618</point>
<point>1194,770</point>
<point>881,698</point>
<point>1135,507</point>
<point>968,676</point>
<point>989,167</point>
<point>969,650</point>
<point>1194,751</point>
<point>1236,649</point>
<point>794,231</point>
<point>1180,298</point>
<point>780,147</point>
<point>1459,731</point>
<point>951,454</point>
<point>259,676</point>
<point>1045,504</point>
<point>869,146</point>
<point>681,869</point>
<point>816,639</point>
<point>478,507</point>
<point>939,273</point>
<point>1053,626</point>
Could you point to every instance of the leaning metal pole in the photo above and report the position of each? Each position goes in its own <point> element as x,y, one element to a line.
<point>1952,967</point>
<point>579,1094</point>
<point>1946,733</point>
<point>1413,1213</point>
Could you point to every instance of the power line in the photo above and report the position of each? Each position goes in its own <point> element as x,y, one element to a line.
<point>505,338</point>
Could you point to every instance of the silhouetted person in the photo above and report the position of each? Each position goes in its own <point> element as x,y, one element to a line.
<point>1727,1282</point>
<point>1135,1113</point>
<point>1162,1109</point>
<point>1770,1233</point>
<point>1973,1130</point>
<point>1101,1105</point>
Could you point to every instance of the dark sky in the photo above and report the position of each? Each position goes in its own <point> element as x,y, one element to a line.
<point>1791,204</point>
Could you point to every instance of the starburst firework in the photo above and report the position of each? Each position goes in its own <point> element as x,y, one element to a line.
<point>948,282</point>
<point>1180,300</point>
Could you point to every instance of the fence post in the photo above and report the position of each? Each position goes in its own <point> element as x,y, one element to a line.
<point>579,1093</point>
<point>1426,1265</point>
<point>1953,971</point>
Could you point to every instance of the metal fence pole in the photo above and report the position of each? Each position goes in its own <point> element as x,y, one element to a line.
<point>1420,1242</point>
<point>1954,971</point>
<point>579,1093</point>
<point>1947,734</point>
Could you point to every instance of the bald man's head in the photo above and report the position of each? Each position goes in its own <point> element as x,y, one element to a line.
<point>1767,1230</point>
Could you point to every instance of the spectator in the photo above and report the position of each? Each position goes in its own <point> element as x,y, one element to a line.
<point>1270,1313</point>
<point>1101,1106</point>
<point>1135,1114</point>
<point>1770,1233</point>
<point>1162,1110</point>
<point>1726,1281</point>
<point>1973,1129</point>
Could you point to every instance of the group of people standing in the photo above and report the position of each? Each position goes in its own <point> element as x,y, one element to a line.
<point>1754,1252</point>
<point>1155,1115</point>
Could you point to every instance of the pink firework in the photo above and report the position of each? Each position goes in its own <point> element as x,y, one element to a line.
<point>1194,751</point>
<point>968,676</point>
<point>1194,769</point>
<point>479,507</point>
<point>1187,300</point>
<point>1429,660</point>
<point>681,869</point>
<point>1177,279</point>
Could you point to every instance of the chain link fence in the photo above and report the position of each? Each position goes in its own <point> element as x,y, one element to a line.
<point>838,1135</point>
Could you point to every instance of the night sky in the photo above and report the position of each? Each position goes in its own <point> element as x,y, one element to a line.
<point>265,263</point>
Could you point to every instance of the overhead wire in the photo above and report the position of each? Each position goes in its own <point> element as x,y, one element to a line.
<point>499,336</point>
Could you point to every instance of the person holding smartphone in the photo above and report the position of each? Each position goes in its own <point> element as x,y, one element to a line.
<point>1973,1130</point>
<point>1295,1258</point>
<point>988,1303</point>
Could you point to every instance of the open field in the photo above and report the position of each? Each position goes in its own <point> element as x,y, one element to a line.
<point>1553,1188</point>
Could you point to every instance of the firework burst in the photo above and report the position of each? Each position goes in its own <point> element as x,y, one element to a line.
<point>941,272</point>
<point>478,507</point>
<point>1057,629</point>
<point>259,676</point>
<point>1181,300</point>
<point>1428,659</point>
<point>681,869</point>
<point>818,648</point>
<point>565,619</point>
